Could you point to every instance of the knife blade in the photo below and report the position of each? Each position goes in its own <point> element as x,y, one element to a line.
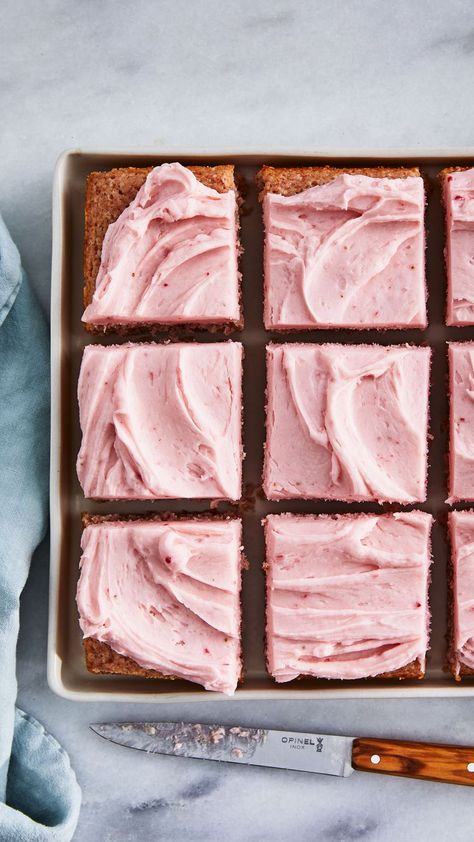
<point>321,753</point>
<point>305,752</point>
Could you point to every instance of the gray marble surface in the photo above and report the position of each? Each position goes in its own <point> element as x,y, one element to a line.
<point>358,73</point>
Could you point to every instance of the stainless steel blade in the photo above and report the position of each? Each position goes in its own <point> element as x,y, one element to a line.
<point>321,753</point>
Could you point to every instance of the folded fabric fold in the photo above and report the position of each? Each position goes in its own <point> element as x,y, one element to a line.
<point>39,794</point>
<point>43,796</point>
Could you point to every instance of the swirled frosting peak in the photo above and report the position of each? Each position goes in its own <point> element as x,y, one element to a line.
<point>161,421</point>
<point>166,594</point>
<point>347,595</point>
<point>347,422</point>
<point>348,253</point>
<point>171,256</point>
<point>459,205</point>
<point>462,547</point>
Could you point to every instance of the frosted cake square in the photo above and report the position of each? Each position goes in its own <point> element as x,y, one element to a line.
<point>347,595</point>
<point>458,197</point>
<point>347,422</point>
<point>344,248</point>
<point>159,597</point>
<point>461,651</point>
<point>461,439</point>
<point>161,421</point>
<point>161,249</point>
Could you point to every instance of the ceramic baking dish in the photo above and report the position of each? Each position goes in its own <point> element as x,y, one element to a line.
<point>67,674</point>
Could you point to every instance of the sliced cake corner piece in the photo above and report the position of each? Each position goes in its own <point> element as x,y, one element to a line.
<point>159,597</point>
<point>347,595</point>
<point>347,422</point>
<point>161,249</point>
<point>344,248</point>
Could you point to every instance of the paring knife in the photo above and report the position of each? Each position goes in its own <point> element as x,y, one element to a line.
<point>321,753</point>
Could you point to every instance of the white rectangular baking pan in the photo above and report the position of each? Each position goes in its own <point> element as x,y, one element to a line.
<point>67,674</point>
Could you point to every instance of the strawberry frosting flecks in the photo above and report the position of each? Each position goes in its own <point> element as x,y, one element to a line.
<point>461,527</point>
<point>349,253</point>
<point>347,422</point>
<point>347,596</point>
<point>171,256</point>
<point>458,189</point>
<point>167,595</point>
<point>161,421</point>
<point>461,447</point>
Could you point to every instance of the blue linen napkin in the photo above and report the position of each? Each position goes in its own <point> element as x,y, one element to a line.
<point>39,794</point>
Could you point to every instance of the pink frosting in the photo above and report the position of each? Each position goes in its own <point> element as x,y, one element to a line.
<point>461,461</point>
<point>346,595</point>
<point>461,526</point>
<point>459,204</point>
<point>347,422</point>
<point>346,253</point>
<point>171,256</point>
<point>161,421</point>
<point>166,594</point>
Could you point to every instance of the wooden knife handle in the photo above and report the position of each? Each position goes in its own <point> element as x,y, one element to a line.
<point>444,763</point>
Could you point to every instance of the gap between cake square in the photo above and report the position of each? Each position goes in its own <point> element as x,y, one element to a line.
<point>344,248</point>
<point>347,595</point>
<point>161,421</point>
<point>159,597</point>
<point>461,421</point>
<point>347,422</point>
<point>461,614</point>
<point>457,185</point>
<point>161,249</point>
